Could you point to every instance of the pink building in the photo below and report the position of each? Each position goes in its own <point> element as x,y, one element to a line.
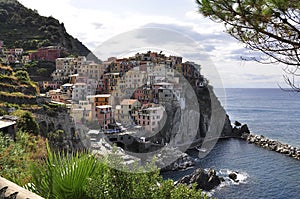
<point>50,53</point>
<point>144,94</point>
<point>50,84</point>
<point>104,115</point>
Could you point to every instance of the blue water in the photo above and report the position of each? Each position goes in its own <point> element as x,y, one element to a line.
<point>262,173</point>
<point>271,112</point>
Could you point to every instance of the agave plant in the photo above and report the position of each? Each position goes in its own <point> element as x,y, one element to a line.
<point>63,176</point>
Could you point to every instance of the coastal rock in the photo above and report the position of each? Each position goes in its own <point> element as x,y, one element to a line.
<point>240,132</point>
<point>245,129</point>
<point>273,145</point>
<point>237,123</point>
<point>182,162</point>
<point>233,176</point>
<point>205,180</point>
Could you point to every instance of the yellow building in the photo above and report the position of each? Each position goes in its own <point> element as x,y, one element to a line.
<point>73,78</point>
<point>103,99</point>
<point>127,110</point>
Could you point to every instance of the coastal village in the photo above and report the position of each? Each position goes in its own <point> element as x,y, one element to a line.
<point>118,95</point>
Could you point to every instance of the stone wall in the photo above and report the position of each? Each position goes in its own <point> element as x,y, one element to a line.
<point>9,189</point>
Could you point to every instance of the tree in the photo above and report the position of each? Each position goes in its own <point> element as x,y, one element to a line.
<point>22,75</point>
<point>269,26</point>
<point>26,122</point>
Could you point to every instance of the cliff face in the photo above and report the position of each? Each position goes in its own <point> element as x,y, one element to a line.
<point>25,28</point>
<point>58,126</point>
<point>191,127</point>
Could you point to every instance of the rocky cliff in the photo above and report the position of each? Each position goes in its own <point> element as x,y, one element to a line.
<point>58,126</point>
<point>194,125</point>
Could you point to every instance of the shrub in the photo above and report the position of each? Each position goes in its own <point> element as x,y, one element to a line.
<point>22,76</point>
<point>26,122</point>
<point>16,156</point>
<point>134,182</point>
<point>63,176</point>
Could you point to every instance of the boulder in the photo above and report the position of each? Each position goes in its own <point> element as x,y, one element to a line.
<point>205,180</point>
<point>233,176</point>
<point>245,129</point>
<point>237,123</point>
<point>183,161</point>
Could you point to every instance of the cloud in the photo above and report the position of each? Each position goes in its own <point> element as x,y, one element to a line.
<point>98,25</point>
<point>95,22</point>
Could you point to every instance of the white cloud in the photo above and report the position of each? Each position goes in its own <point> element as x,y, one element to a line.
<point>94,22</point>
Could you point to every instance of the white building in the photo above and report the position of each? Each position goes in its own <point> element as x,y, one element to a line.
<point>82,90</point>
<point>130,81</point>
<point>66,67</point>
<point>91,71</point>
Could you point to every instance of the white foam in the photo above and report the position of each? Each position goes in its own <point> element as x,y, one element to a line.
<point>241,176</point>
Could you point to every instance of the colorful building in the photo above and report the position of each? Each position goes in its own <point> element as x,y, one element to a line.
<point>150,117</point>
<point>104,116</point>
<point>127,111</point>
<point>50,85</point>
<point>91,71</point>
<point>50,53</point>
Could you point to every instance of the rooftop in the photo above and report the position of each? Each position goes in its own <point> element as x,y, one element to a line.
<point>93,132</point>
<point>104,106</point>
<point>100,95</point>
<point>128,101</point>
<point>5,123</point>
<point>163,84</point>
<point>74,75</point>
<point>67,85</point>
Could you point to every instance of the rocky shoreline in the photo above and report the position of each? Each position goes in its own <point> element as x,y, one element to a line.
<point>205,180</point>
<point>273,145</point>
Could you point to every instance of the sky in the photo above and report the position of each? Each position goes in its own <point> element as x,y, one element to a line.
<point>167,25</point>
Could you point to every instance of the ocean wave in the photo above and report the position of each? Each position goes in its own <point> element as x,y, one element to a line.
<point>242,178</point>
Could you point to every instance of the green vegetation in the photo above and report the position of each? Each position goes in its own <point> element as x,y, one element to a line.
<point>265,25</point>
<point>22,76</point>
<point>26,122</point>
<point>63,176</point>
<point>6,70</point>
<point>16,87</point>
<point>269,26</point>
<point>40,70</point>
<point>11,81</point>
<point>25,28</point>
<point>17,156</point>
<point>83,176</point>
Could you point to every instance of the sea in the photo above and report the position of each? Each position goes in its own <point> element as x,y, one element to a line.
<point>274,113</point>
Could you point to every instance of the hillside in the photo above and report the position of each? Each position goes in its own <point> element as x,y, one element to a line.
<point>16,87</point>
<point>25,28</point>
